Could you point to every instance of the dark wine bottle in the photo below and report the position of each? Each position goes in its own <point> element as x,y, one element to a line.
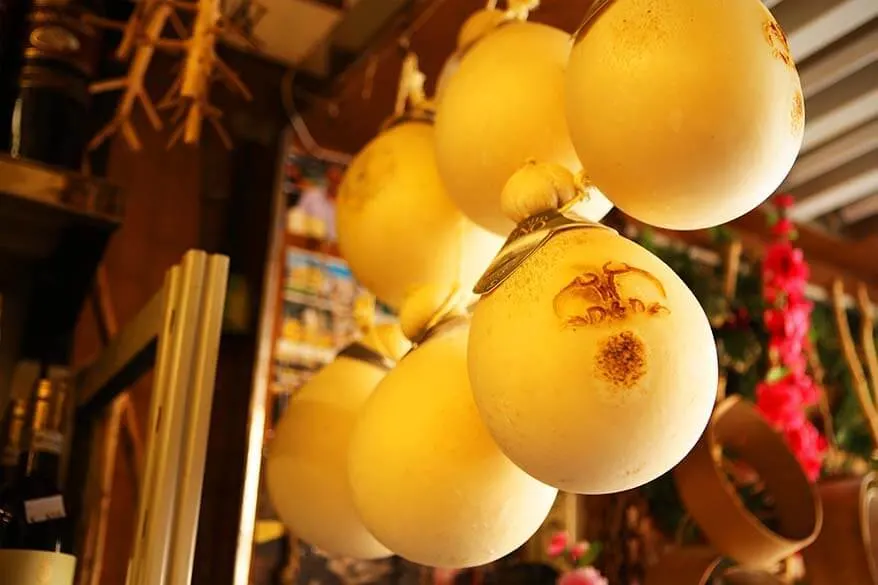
<point>32,514</point>
<point>13,17</point>
<point>59,59</point>
<point>12,430</point>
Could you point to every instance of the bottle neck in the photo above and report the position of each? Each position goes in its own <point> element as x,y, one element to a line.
<point>14,425</point>
<point>43,455</point>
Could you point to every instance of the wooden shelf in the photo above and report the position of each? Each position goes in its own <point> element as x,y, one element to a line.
<point>54,227</point>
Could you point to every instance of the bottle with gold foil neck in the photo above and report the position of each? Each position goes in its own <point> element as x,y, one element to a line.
<point>59,57</point>
<point>12,431</point>
<point>32,511</point>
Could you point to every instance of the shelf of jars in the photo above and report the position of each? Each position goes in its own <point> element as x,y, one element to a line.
<point>54,228</point>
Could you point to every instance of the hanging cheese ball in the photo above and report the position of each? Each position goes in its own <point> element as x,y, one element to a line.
<point>306,471</point>
<point>503,106</point>
<point>687,114</point>
<point>397,228</point>
<point>592,364</point>
<point>428,480</point>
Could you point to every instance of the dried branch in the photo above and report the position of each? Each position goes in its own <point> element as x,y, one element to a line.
<point>178,26</point>
<point>819,375</point>
<point>134,85</point>
<point>101,22</point>
<point>232,80</point>
<point>185,6</point>
<point>239,26</point>
<point>867,336</point>
<point>861,385</point>
<point>732,268</point>
<point>172,96</point>
<point>135,27</point>
<point>189,93</point>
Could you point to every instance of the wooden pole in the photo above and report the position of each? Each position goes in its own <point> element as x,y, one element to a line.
<point>867,336</point>
<point>861,384</point>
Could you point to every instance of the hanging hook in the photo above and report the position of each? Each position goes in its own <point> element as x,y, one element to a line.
<point>520,9</point>
<point>411,85</point>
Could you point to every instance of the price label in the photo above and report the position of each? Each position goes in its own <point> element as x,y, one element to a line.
<point>44,509</point>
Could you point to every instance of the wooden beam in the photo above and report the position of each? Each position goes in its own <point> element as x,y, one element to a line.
<point>854,260</point>
<point>833,154</point>
<point>841,108</point>
<point>829,257</point>
<point>811,25</point>
<point>856,212</point>
<point>837,188</point>
<point>866,230</point>
<point>840,60</point>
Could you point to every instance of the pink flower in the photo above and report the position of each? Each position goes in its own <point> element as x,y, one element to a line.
<point>558,544</point>
<point>578,550</point>
<point>586,576</point>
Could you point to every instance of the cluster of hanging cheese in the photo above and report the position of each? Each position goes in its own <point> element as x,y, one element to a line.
<point>585,364</point>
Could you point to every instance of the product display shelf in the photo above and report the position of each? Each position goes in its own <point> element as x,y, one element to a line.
<point>54,228</point>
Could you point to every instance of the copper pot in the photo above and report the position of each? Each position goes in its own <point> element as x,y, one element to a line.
<point>845,552</point>
<point>711,499</point>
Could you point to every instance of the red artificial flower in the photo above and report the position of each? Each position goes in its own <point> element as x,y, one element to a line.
<point>788,390</point>
<point>808,389</point>
<point>784,227</point>
<point>788,352</point>
<point>784,270</point>
<point>809,446</point>
<point>789,321</point>
<point>780,403</point>
<point>784,201</point>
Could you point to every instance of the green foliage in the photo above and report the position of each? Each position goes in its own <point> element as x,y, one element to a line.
<point>591,555</point>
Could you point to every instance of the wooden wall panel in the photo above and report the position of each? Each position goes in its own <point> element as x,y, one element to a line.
<point>161,223</point>
<point>179,199</point>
